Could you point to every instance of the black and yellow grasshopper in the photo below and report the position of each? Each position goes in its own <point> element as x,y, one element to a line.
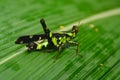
<point>48,40</point>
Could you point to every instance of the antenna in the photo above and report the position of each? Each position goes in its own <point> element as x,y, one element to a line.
<point>79,23</point>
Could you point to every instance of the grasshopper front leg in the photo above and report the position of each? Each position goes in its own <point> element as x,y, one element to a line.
<point>76,44</point>
<point>58,53</point>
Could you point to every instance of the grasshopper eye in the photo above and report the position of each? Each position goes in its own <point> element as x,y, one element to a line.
<point>75,29</point>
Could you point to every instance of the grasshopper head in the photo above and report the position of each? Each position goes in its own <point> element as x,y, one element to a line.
<point>75,29</point>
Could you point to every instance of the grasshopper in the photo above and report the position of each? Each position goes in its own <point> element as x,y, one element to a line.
<point>49,41</point>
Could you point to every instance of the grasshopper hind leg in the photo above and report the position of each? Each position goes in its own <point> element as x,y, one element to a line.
<point>48,33</point>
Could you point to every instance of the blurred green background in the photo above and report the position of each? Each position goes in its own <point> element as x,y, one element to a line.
<point>99,40</point>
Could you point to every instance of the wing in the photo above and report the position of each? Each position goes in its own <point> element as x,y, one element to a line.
<point>27,38</point>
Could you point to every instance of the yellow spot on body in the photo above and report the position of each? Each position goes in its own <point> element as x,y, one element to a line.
<point>50,34</point>
<point>63,40</point>
<point>31,36</point>
<point>21,42</point>
<point>45,44</point>
<point>54,41</point>
<point>70,34</point>
<point>39,46</point>
<point>39,38</point>
<point>91,25</point>
<point>61,27</point>
<point>39,41</point>
<point>59,38</point>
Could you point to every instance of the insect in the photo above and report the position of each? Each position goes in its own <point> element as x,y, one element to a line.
<point>49,41</point>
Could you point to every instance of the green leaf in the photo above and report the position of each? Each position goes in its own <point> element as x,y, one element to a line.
<point>98,38</point>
